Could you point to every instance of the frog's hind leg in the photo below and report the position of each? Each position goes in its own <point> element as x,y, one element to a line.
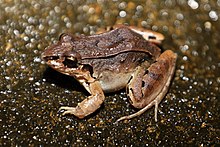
<point>89,105</point>
<point>149,86</point>
<point>151,104</point>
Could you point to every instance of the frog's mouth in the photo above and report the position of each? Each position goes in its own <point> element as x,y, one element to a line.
<point>61,63</point>
<point>67,65</point>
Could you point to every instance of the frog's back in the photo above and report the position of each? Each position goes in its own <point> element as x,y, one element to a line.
<point>122,39</point>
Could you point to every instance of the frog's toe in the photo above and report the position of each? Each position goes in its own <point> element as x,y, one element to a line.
<point>76,111</point>
<point>141,111</point>
<point>67,110</point>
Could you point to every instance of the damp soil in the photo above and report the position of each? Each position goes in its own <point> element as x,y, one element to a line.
<point>31,92</point>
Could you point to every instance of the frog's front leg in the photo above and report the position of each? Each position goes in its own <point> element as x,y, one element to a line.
<point>148,86</point>
<point>90,104</point>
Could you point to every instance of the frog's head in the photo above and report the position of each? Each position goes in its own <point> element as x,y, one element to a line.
<point>61,56</point>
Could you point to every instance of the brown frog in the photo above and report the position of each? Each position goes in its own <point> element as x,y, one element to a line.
<point>107,62</point>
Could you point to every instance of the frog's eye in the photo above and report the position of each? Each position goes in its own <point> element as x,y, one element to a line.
<point>70,62</point>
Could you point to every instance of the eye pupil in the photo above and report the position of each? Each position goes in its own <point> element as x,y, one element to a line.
<point>70,63</point>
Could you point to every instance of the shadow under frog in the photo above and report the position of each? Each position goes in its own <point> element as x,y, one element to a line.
<point>54,77</point>
<point>107,62</point>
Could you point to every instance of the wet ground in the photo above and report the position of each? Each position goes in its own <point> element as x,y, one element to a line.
<point>31,93</point>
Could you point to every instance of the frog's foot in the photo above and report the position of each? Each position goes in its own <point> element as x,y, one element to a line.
<point>155,102</point>
<point>89,105</point>
<point>72,110</point>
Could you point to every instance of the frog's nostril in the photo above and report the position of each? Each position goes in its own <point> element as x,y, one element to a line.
<point>152,37</point>
<point>50,58</point>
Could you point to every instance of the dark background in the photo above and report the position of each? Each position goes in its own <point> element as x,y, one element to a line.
<point>31,93</point>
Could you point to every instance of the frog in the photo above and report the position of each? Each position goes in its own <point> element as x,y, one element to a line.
<point>124,57</point>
